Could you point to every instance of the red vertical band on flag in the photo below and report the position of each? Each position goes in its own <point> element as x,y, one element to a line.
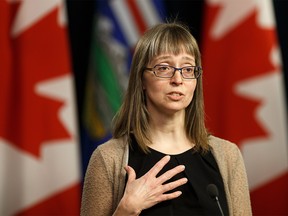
<point>140,23</point>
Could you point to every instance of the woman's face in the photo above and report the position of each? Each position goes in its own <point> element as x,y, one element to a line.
<point>169,95</point>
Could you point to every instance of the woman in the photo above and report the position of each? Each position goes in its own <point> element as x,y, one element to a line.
<point>161,157</point>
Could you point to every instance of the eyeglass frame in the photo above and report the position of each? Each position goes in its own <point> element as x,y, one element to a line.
<point>176,69</point>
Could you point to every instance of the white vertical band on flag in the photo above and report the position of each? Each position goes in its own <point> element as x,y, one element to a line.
<point>149,13</point>
<point>126,21</point>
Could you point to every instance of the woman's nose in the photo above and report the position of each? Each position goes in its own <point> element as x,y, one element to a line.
<point>177,78</point>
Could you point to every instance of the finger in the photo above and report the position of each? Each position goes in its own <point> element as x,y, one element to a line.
<point>172,185</point>
<point>131,174</point>
<point>170,173</point>
<point>169,196</point>
<point>158,166</point>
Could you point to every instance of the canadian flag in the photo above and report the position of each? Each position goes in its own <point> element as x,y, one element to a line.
<point>39,161</point>
<point>244,94</point>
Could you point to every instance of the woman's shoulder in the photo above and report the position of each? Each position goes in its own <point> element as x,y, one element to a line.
<point>112,148</point>
<point>113,145</point>
<point>110,154</point>
<point>217,142</point>
<point>223,148</point>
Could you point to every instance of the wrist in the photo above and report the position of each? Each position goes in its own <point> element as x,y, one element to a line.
<point>124,208</point>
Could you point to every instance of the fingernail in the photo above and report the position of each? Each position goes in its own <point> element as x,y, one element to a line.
<point>168,156</point>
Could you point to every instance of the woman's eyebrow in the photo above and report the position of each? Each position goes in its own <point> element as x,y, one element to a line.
<point>167,57</point>
<point>163,57</point>
<point>188,58</point>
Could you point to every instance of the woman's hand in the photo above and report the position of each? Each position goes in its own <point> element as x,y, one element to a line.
<point>145,192</point>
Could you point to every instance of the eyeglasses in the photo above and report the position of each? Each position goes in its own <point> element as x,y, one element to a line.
<point>167,71</point>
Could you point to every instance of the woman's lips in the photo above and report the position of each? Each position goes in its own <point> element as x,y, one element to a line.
<point>175,95</point>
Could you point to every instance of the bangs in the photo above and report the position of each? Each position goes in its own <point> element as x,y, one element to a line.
<point>173,41</point>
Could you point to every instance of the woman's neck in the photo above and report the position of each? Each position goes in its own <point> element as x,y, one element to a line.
<point>168,134</point>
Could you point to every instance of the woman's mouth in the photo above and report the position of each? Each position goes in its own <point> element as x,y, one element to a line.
<point>175,95</point>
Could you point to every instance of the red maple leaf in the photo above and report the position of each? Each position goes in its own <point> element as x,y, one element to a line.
<point>37,54</point>
<point>239,55</point>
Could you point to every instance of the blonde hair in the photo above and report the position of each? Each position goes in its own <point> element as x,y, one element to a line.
<point>133,116</point>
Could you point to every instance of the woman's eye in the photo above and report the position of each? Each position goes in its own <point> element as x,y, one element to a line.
<point>163,68</point>
<point>189,69</point>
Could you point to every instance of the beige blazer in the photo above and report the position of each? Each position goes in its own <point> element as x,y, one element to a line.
<point>105,177</point>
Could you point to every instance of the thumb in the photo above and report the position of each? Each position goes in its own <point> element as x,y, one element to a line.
<point>131,174</point>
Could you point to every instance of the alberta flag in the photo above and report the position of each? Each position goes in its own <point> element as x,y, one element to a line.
<point>244,94</point>
<point>118,26</point>
<point>39,163</point>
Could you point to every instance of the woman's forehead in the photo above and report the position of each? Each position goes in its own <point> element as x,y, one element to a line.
<point>168,56</point>
<point>172,48</point>
<point>183,55</point>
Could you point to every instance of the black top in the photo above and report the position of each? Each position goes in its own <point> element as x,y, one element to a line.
<point>201,170</point>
